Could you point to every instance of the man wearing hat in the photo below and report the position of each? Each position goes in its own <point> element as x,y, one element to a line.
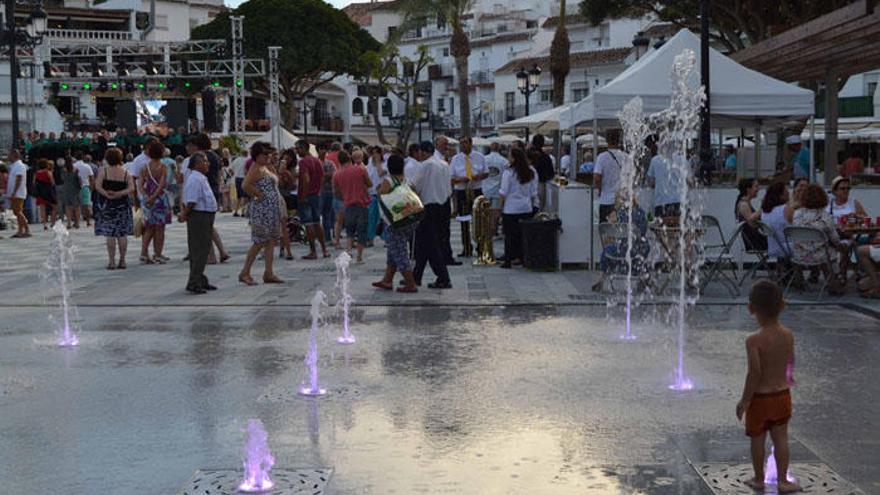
<point>801,156</point>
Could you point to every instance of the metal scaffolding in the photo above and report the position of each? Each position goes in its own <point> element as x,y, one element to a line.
<point>275,96</point>
<point>238,72</point>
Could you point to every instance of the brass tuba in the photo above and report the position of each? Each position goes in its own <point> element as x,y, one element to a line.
<point>484,230</point>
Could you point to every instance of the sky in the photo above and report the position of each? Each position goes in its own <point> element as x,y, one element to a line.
<point>336,3</point>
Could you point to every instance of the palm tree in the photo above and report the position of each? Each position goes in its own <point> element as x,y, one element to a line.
<point>459,46</point>
<point>559,62</point>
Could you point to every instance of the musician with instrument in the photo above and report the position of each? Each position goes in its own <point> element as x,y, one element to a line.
<point>468,169</point>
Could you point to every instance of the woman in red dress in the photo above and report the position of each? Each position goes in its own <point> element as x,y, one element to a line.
<point>47,200</point>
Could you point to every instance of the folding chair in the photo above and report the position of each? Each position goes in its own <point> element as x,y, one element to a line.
<point>612,234</point>
<point>763,256</point>
<point>811,237</point>
<point>723,258</point>
<point>713,236</point>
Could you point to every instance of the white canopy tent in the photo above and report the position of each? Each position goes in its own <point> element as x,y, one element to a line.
<point>740,97</point>
<point>541,122</point>
<point>738,94</point>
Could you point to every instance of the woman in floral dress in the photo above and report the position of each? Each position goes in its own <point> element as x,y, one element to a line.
<point>261,184</point>
<point>157,208</point>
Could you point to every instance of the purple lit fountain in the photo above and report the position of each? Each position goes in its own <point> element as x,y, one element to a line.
<point>58,271</point>
<point>635,131</point>
<point>311,360</point>
<point>771,477</point>
<point>343,283</point>
<point>258,459</point>
<point>676,125</point>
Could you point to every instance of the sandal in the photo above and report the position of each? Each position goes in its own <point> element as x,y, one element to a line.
<point>121,265</point>
<point>310,257</point>
<point>225,258</point>
<point>272,280</point>
<point>111,266</point>
<point>146,260</point>
<point>158,260</point>
<point>408,289</point>
<point>246,280</point>
<point>383,285</point>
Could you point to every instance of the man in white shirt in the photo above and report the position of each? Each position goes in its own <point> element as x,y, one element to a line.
<point>16,192</point>
<point>137,166</point>
<point>606,174</point>
<point>432,183</point>
<point>411,162</point>
<point>198,211</point>
<point>565,163</point>
<point>496,164</point>
<point>666,181</point>
<point>441,147</point>
<point>468,169</point>
<point>87,180</point>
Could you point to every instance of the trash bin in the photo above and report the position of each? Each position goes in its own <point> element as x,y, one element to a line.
<point>540,236</point>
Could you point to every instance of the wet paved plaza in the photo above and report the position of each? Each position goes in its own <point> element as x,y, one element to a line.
<point>433,399</point>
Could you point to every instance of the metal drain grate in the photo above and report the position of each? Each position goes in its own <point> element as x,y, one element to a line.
<point>318,268</point>
<point>312,481</point>
<point>814,478</point>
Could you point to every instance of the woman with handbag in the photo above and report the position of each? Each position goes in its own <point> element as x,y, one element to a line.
<point>397,252</point>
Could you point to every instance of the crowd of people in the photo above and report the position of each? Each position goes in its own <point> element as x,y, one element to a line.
<point>123,186</point>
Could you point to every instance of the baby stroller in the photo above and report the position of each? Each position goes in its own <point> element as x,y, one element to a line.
<point>295,229</point>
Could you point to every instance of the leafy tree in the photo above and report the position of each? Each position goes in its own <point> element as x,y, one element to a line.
<point>318,43</point>
<point>459,46</point>
<point>383,77</point>
<point>559,58</point>
<point>735,24</point>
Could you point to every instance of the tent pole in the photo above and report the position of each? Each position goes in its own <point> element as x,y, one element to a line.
<point>812,147</point>
<point>573,164</point>
<point>758,150</point>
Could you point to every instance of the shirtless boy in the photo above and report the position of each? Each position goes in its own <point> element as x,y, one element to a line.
<point>766,400</point>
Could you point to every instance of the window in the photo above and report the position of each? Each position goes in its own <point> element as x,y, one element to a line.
<point>357,106</point>
<point>446,52</point>
<point>391,31</point>
<point>441,21</point>
<point>578,94</point>
<point>872,88</point>
<point>546,95</point>
<point>371,106</point>
<point>509,103</point>
<point>386,108</point>
<point>162,22</point>
<point>441,105</point>
<point>451,106</point>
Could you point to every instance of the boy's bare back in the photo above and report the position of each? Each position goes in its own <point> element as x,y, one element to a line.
<point>771,355</point>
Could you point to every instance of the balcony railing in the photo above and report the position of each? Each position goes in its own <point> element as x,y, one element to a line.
<point>481,77</point>
<point>89,34</point>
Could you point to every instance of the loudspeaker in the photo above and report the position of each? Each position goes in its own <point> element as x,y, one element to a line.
<point>209,110</point>
<point>126,115</point>
<point>176,112</point>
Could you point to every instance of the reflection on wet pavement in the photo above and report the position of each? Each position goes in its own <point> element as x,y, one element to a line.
<point>429,400</point>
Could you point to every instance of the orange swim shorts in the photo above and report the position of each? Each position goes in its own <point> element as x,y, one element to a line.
<point>766,411</point>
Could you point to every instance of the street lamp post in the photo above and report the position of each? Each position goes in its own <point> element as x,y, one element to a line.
<point>308,104</point>
<point>527,82</point>
<point>12,37</point>
<point>420,105</point>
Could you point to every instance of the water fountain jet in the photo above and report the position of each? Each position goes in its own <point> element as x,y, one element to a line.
<point>312,355</point>
<point>258,460</point>
<point>59,265</point>
<point>343,283</point>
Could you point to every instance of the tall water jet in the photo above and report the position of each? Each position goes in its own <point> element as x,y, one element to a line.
<point>258,459</point>
<point>677,124</point>
<point>635,130</point>
<point>771,477</point>
<point>343,284</point>
<point>58,270</point>
<point>312,355</point>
